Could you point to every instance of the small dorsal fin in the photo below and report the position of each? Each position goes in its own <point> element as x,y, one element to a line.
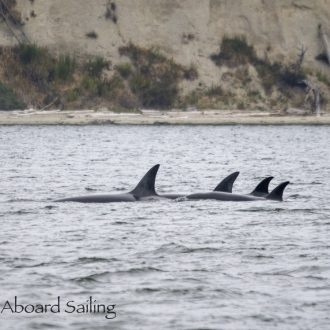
<point>226,185</point>
<point>277,193</point>
<point>261,189</point>
<point>146,187</point>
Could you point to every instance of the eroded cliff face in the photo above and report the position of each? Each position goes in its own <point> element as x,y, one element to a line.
<point>188,31</point>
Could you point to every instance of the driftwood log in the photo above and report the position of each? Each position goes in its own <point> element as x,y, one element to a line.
<point>313,95</point>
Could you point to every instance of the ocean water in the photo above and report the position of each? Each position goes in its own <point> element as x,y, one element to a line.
<point>165,264</point>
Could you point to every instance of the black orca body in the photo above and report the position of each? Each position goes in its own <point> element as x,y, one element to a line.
<point>261,190</point>
<point>143,191</point>
<point>276,195</point>
<point>226,185</point>
<point>223,196</point>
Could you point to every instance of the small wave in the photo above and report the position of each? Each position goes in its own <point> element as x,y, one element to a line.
<point>201,249</point>
<point>308,183</point>
<point>99,160</point>
<point>175,291</point>
<point>314,277</point>
<point>309,269</point>
<point>87,260</point>
<point>27,263</point>
<point>99,276</point>
<point>93,278</point>
<point>90,189</point>
<point>301,272</point>
<point>276,273</point>
<point>295,196</point>
<point>119,189</point>
<point>255,209</point>
<point>21,212</point>
<point>22,177</point>
<point>44,325</point>
<point>257,248</point>
<point>50,207</point>
<point>120,223</point>
<point>42,264</point>
<point>148,290</point>
<point>318,288</point>
<point>19,200</point>
<point>177,248</point>
<point>263,318</point>
<point>138,270</point>
<point>254,292</point>
<point>282,210</point>
<point>22,259</point>
<point>261,256</point>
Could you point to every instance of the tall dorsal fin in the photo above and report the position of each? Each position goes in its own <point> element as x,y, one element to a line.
<point>261,189</point>
<point>226,185</point>
<point>277,193</point>
<point>146,187</point>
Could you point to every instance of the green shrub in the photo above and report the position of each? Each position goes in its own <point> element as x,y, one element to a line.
<point>214,90</point>
<point>97,87</point>
<point>268,73</point>
<point>190,73</point>
<point>191,99</point>
<point>41,67</point>
<point>291,77</point>
<point>89,84</point>
<point>8,99</point>
<point>73,94</point>
<point>30,53</point>
<point>241,106</point>
<point>254,95</point>
<point>234,51</point>
<point>124,69</point>
<point>272,74</point>
<point>323,78</point>
<point>155,78</point>
<point>142,56</point>
<point>153,93</point>
<point>95,66</point>
<point>65,67</point>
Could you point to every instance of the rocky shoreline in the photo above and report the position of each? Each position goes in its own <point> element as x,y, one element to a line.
<point>156,117</point>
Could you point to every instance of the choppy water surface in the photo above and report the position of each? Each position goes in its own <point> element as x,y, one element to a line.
<point>168,264</point>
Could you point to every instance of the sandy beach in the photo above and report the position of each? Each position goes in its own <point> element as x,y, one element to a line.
<point>156,117</point>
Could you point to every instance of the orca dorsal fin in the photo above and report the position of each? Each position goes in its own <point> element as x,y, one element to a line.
<point>226,185</point>
<point>262,188</point>
<point>146,187</point>
<point>277,193</point>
